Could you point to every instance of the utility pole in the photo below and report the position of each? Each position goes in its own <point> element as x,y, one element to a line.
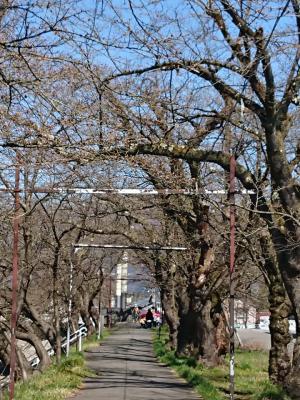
<point>99,317</point>
<point>231,273</point>
<point>70,302</point>
<point>124,286</point>
<point>14,289</point>
<point>109,304</point>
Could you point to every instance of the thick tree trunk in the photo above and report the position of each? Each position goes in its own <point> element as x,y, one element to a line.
<point>24,369</point>
<point>286,233</point>
<point>166,277</point>
<point>199,330</point>
<point>188,340</point>
<point>280,308</point>
<point>293,383</point>
<point>93,313</point>
<point>45,330</point>
<point>41,352</point>
<point>186,327</point>
<point>279,360</point>
<point>220,322</point>
<point>209,354</point>
<point>85,308</point>
<point>289,265</point>
<point>201,334</point>
<point>171,316</point>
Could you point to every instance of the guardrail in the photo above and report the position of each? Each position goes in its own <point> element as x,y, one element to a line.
<point>76,336</point>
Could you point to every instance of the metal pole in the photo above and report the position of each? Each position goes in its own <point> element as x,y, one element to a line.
<point>14,293</point>
<point>70,305</point>
<point>231,273</point>
<point>99,311</point>
<point>99,303</point>
<point>161,315</point>
<point>80,342</point>
<point>109,304</point>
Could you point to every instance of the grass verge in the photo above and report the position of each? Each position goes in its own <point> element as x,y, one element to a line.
<point>251,369</point>
<point>58,381</point>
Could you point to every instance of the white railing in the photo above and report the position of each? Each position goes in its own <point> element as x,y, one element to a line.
<point>76,336</point>
<point>34,360</point>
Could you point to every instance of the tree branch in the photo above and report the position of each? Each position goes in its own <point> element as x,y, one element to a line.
<point>186,153</point>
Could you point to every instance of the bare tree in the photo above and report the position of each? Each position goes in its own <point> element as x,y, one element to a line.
<point>245,70</point>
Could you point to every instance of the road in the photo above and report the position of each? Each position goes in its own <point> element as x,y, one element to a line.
<point>126,369</point>
<point>257,339</point>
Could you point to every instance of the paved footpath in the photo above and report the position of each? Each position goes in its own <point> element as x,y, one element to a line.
<point>127,370</point>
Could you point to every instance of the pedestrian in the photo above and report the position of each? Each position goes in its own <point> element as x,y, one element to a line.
<point>135,313</point>
<point>149,315</point>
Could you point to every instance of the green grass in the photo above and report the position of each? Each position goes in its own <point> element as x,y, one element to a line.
<point>251,374</point>
<point>58,382</point>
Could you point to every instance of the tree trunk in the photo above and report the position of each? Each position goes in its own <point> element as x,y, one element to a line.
<point>202,334</point>
<point>187,331</point>
<point>41,352</point>
<point>196,336</point>
<point>286,233</point>
<point>24,369</point>
<point>280,308</point>
<point>93,314</point>
<point>289,265</point>
<point>171,316</point>
<point>45,330</point>
<point>293,286</point>
<point>188,340</point>
<point>165,277</point>
<point>208,354</point>
<point>279,360</point>
<point>220,322</point>
<point>85,308</point>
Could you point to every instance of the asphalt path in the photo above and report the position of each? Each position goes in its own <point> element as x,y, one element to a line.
<point>255,339</point>
<point>258,339</point>
<point>126,369</point>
